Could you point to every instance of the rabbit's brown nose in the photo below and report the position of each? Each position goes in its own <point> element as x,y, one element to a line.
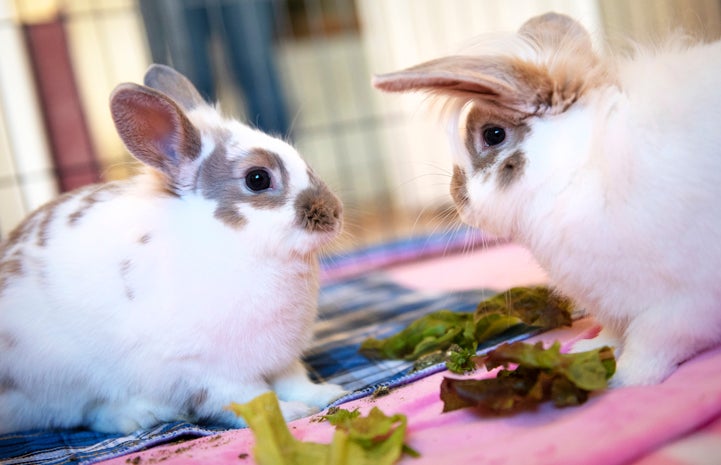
<point>318,209</point>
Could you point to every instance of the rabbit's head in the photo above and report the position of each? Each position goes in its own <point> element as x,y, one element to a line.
<point>236,176</point>
<point>514,119</point>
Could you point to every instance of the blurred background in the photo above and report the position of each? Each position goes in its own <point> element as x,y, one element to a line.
<point>299,68</point>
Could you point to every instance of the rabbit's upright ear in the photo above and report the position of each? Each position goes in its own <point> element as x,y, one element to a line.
<point>173,84</point>
<point>157,132</point>
<point>555,33</point>
<point>557,66</point>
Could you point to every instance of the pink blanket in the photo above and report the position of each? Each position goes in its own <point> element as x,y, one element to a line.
<point>677,422</point>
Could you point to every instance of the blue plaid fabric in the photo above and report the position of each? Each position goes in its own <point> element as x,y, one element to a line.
<point>372,306</point>
<point>351,309</point>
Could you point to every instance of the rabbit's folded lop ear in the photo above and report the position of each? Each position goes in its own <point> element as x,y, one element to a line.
<point>156,131</point>
<point>558,65</point>
<point>500,81</point>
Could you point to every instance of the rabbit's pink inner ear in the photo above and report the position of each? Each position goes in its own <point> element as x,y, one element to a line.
<point>154,129</point>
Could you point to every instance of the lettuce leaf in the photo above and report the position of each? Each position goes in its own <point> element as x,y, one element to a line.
<point>274,443</point>
<point>450,336</point>
<point>339,416</point>
<point>536,306</point>
<point>435,331</point>
<point>541,375</point>
<point>358,440</point>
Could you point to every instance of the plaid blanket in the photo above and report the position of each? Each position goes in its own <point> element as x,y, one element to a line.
<point>352,308</point>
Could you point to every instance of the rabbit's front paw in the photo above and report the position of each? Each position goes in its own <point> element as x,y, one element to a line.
<point>634,371</point>
<point>584,345</point>
<point>316,395</point>
<point>294,385</point>
<point>294,410</point>
<point>126,417</point>
<point>324,394</point>
<point>603,338</point>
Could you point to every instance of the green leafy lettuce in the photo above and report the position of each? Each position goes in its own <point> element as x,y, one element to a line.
<point>358,440</point>
<point>454,336</point>
<point>541,375</point>
<point>339,416</point>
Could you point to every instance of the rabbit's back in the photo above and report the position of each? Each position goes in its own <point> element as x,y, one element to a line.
<point>123,255</point>
<point>674,110</point>
<point>674,94</point>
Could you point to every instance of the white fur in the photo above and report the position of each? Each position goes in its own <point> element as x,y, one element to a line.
<point>218,314</point>
<point>620,195</point>
<point>620,204</point>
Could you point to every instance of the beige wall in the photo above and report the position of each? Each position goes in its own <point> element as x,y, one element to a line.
<point>23,151</point>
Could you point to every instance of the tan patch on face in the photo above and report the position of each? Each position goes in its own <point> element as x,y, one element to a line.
<point>229,215</point>
<point>266,159</point>
<point>223,180</point>
<point>191,143</point>
<point>511,169</point>
<point>476,121</point>
<point>317,209</point>
<point>217,182</point>
<point>459,190</point>
<point>483,157</point>
<point>269,199</point>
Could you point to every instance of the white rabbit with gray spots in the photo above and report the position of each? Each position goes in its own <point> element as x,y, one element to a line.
<point>169,295</point>
<point>607,168</point>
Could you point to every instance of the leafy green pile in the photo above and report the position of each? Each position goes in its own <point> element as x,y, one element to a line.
<point>370,440</point>
<point>541,375</point>
<point>453,337</point>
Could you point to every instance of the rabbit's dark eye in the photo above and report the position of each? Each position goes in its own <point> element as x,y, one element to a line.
<point>258,180</point>
<point>494,135</point>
